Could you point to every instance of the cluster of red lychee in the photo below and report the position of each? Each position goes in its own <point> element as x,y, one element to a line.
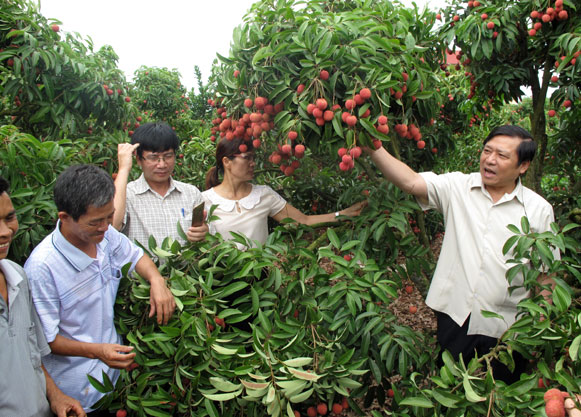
<point>348,157</point>
<point>127,126</point>
<point>110,92</point>
<point>573,60</point>
<point>549,15</point>
<point>250,126</point>
<point>320,112</point>
<point>555,402</point>
<point>410,132</point>
<point>322,409</point>
<point>286,152</point>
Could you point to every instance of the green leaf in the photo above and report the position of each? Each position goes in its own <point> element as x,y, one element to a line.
<point>470,393</point>
<point>298,362</point>
<point>417,402</point>
<point>307,376</point>
<point>447,399</point>
<point>574,348</point>
<point>222,397</point>
<point>222,385</point>
<point>299,398</point>
<point>509,244</point>
<point>513,229</point>
<point>211,408</point>
<point>333,238</point>
<point>261,54</point>
<point>491,314</point>
<point>223,350</point>
<point>97,385</point>
<point>561,298</point>
<point>349,383</point>
<point>525,226</point>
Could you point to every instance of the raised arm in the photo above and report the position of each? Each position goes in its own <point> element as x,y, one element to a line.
<point>125,158</point>
<point>401,175</point>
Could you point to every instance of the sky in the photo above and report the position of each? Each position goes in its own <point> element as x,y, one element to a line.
<point>170,33</point>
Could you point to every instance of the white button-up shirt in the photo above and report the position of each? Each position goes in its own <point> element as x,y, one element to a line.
<point>74,296</point>
<point>470,274</point>
<point>148,213</point>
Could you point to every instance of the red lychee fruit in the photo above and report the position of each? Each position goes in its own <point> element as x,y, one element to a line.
<point>365,93</point>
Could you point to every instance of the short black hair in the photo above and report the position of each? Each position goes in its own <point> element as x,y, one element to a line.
<point>527,147</point>
<point>81,186</point>
<point>155,137</point>
<point>4,186</point>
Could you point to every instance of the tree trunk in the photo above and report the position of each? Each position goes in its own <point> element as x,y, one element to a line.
<point>538,124</point>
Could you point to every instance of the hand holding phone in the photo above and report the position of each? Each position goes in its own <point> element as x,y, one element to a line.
<point>198,215</point>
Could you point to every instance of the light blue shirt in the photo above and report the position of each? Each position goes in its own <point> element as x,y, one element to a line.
<point>74,296</point>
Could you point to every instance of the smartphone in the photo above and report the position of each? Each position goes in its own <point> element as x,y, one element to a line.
<point>198,215</point>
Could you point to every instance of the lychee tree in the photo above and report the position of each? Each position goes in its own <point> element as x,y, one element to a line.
<point>159,92</point>
<point>53,84</point>
<point>329,77</point>
<point>508,45</point>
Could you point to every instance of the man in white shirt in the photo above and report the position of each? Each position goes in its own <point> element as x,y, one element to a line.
<point>155,203</point>
<point>477,207</point>
<point>26,388</point>
<point>74,276</point>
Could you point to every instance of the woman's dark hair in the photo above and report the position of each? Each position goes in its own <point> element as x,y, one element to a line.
<point>527,147</point>
<point>81,186</point>
<point>225,149</point>
<point>155,137</point>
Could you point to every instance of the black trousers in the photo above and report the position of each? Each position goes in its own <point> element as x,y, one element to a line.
<point>455,339</point>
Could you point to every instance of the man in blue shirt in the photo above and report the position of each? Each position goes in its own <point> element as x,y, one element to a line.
<point>74,276</point>
<point>26,389</point>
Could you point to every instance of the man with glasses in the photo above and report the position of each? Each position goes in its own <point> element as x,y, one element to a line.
<point>155,203</point>
<point>74,276</point>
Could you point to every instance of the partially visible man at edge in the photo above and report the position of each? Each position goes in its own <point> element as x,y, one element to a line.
<point>74,276</point>
<point>26,388</point>
<point>155,202</point>
<point>477,207</point>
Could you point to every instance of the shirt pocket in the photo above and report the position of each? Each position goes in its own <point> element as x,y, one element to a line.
<point>35,357</point>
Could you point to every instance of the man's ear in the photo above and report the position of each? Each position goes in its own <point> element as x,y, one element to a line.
<point>64,217</point>
<point>524,166</point>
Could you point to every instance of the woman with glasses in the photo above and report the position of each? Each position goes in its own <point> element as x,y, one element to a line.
<point>243,207</point>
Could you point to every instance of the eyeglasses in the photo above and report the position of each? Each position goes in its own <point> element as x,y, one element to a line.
<point>155,158</point>
<point>247,156</point>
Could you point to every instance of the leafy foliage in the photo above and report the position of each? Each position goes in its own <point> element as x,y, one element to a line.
<point>55,87</point>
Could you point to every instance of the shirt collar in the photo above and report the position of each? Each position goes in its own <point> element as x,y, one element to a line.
<point>141,186</point>
<point>13,278</point>
<point>77,258</point>
<point>476,182</point>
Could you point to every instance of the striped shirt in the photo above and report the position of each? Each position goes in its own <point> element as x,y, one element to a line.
<point>149,214</point>
<point>74,296</point>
